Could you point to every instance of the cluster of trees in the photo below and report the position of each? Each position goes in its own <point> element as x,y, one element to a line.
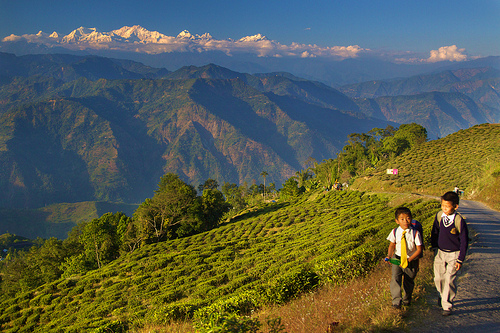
<point>176,210</point>
<point>362,152</point>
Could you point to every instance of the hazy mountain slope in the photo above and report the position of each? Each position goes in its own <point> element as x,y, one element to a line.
<point>440,113</point>
<point>70,67</point>
<point>62,151</point>
<point>112,140</point>
<point>480,84</point>
<point>55,220</point>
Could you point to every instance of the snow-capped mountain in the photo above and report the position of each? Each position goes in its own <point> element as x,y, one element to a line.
<point>140,40</point>
<point>86,35</point>
<point>126,34</point>
<point>253,54</point>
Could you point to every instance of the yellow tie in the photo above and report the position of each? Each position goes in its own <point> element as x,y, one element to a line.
<point>404,257</point>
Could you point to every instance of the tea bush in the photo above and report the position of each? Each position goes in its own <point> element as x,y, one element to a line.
<point>231,269</point>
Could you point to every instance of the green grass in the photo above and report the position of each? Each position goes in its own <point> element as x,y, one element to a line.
<point>269,255</point>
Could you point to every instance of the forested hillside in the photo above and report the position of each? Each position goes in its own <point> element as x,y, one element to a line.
<point>112,140</point>
<point>439,112</point>
<point>56,220</point>
<point>442,102</point>
<point>480,84</point>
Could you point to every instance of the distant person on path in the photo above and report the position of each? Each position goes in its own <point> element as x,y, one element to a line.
<point>450,239</point>
<point>405,245</point>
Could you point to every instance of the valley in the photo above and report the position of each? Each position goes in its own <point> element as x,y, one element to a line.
<point>89,147</point>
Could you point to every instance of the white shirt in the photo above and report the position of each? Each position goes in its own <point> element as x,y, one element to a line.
<point>449,219</point>
<point>412,236</point>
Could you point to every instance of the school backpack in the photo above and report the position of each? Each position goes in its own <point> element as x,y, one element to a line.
<point>417,226</point>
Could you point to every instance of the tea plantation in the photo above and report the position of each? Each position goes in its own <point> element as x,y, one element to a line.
<point>267,255</point>
<point>468,158</point>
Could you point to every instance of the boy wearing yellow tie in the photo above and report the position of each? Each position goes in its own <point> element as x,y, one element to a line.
<point>406,245</point>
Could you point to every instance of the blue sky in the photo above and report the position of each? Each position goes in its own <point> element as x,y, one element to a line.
<point>415,26</point>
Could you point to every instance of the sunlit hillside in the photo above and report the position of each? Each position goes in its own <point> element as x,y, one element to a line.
<point>469,159</point>
<point>268,255</point>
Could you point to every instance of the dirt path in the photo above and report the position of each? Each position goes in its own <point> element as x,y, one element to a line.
<point>477,304</point>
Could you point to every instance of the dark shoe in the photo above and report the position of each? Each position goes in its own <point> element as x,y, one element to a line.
<point>446,312</point>
<point>406,303</point>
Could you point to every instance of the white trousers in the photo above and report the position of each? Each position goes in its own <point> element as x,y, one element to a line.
<point>444,277</point>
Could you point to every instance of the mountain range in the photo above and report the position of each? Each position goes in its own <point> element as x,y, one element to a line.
<point>334,66</point>
<point>86,128</point>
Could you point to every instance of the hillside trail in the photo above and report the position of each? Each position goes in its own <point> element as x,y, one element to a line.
<point>477,303</point>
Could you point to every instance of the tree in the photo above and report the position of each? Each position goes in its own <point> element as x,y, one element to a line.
<point>290,189</point>
<point>413,133</point>
<point>271,188</point>
<point>101,238</point>
<point>214,207</point>
<point>407,136</point>
<point>26,270</point>
<point>264,174</point>
<point>172,204</point>
<point>326,172</point>
<point>302,176</point>
<point>234,195</point>
<point>209,184</point>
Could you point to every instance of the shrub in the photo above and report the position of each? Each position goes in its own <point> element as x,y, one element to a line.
<point>116,326</point>
<point>242,303</point>
<point>228,323</point>
<point>176,311</point>
<point>286,287</point>
<point>46,299</point>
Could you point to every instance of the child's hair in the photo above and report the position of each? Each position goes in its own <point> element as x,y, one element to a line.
<point>403,210</point>
<point>452,197</point>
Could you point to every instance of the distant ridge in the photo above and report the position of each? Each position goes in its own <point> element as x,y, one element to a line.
<point>83,138</point>
<point>91,128</point>
<point>334,65</point>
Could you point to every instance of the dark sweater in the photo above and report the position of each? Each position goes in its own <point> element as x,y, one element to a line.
<point>443,238</point>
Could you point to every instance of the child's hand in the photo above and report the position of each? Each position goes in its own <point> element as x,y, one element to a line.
<point>458,266</point>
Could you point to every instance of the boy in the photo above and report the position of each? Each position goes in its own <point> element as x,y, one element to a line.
<point>450,239</point>
<point>405,243</point>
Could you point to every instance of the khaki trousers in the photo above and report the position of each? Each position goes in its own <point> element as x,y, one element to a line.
<point>444,277</point>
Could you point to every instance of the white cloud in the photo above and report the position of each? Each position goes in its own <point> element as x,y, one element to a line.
<point>12,38</point>
<point>306,54</point>
<point>447,53</point>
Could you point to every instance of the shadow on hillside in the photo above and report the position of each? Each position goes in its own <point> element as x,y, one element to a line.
<point>27,223</point>
<point>103,207</point>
